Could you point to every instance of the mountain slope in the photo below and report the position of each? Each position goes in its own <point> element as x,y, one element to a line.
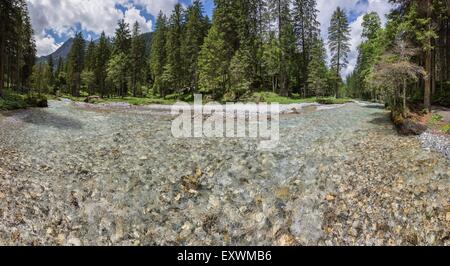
<point>64,50</point>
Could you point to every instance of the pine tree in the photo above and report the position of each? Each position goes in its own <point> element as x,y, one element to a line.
<point>271,61</point>
<point>158,55</point>
<point>17,47</point>
<point>282,18</point>
<point>173,49</point>
<point>90,56</point>
<point>116,72</point>
<point>51,67</point>
<point>317,74</point>
<point>195,32</point>
<point>307,31</point>
<point>122,38</point>
<point>369,51</point>
<point>137,58</point>
<point>59,75</point>
<point>371,25</point>
<point>102,55</point>
<point>339,36</point>
<point>76,64</point>
<point>121,51</point>
<point>28,46</point>
<point>213,67</point>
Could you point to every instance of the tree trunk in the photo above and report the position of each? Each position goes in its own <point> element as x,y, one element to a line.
<point>433,73</point>
<point>404,98</point>
<point>2,61</point>
<point>428,66</point>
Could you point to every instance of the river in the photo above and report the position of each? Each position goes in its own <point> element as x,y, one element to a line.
<point>71,175</point>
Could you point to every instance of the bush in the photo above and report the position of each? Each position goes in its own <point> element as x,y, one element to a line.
<point>332,101</point>
<point>436,119</point>
<point>36,101</point>
<point>12,101</point>
<point>446,129</point>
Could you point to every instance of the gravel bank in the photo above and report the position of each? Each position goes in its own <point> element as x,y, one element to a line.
<point>436,142</point>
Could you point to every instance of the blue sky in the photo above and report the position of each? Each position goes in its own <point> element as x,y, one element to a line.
<point>55,21</point>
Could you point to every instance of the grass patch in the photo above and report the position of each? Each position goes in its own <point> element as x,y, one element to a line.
<point>258,97</point>
<point>131,100</point>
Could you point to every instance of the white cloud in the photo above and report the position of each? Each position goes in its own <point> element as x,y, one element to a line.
<point>62,17</point>
<point>155,6</point>
<point>46,45</point>
<point>132,15</point>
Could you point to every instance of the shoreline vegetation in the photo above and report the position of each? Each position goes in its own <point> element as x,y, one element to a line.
<point>14,101</point>
<point>257,97</point>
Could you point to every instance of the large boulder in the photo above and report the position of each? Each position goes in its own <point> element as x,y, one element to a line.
<point>92,99</point>
<point>407,126</point>
<point>37,101</point>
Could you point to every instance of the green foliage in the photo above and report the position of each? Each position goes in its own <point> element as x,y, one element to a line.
<point>137,60</point>
<point>102,56</point>
<point>270,97</point>
<point>158,53</point>
<point>12,101</point>
<point>436,118</point>
<point>76,63</point>
<point>333,100</point>
<point>36,100</point>
<point>370,52</point>
<point>446,129</point>
<point>317,78</point>
<point>213,64</point>
<point>371,25</point>
<point>117,72</point>
<point>240,74</point>
<point>196,29</point>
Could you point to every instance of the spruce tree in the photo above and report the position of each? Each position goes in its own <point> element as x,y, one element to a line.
<point>317,69</point>
<point>158,55</point>
<point>102,55</point>
<point>90,56</point>
<point>194,34</point>
<point>76,64</point>
<point>213,66</point>
<point>137,58</point>
<point>121,52</point>
<point>173,49</point>
<point>307,32</point>
<point>339,36</point>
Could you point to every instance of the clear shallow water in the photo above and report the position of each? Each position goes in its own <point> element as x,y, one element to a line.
<point>102,177</point>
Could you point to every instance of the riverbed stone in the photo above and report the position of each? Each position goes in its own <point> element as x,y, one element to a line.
<point>338,177</point>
